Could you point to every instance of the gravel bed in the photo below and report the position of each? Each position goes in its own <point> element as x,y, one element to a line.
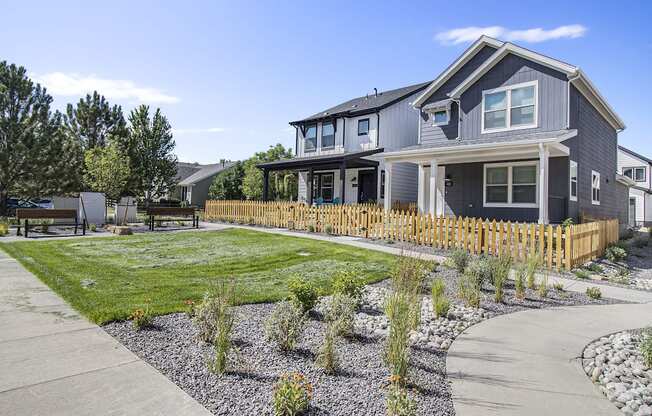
<point>358,389</point>
<point>615,364</point>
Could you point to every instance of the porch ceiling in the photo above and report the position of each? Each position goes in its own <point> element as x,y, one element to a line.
<point>335,161</point>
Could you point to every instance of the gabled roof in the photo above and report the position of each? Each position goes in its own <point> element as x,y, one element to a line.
<point>205,171</point>
<point>470,52</point>
<point>364,105</point>
<point>633,153</point>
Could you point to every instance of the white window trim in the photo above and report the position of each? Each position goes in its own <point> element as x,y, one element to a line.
<point>432,111</point>
<point>570,181</point>
<point>633,169</point>
<point>508,112</point>
<point>594,173</point>
<point>509,203</point>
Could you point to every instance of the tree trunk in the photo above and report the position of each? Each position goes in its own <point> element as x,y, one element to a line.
<point>4,196</point>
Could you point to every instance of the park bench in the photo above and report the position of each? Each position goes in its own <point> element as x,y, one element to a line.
<point>48,214</point>
<point>172,214</point>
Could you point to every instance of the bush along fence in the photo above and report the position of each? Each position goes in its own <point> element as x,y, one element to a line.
<point>558,246</point>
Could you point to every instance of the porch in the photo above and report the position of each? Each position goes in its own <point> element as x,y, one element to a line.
<point>519,180</point>
<point>345,178</point>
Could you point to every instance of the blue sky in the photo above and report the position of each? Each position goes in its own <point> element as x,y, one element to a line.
<point>231,75</point>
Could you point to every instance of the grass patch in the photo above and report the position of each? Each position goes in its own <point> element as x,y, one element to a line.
<point>170,268</point>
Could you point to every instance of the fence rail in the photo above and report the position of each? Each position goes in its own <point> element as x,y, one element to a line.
<point>559,247</point>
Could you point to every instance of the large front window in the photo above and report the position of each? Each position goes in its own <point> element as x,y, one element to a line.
<point>310,138</point>
<point>506,108</point>
<point>510,184</point>
<point>322,187</point>
<point>327,135</point>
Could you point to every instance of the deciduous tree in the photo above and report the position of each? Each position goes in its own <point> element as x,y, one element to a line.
<point>282,184</point>
<point>107,170</point>
<point>228,183</point>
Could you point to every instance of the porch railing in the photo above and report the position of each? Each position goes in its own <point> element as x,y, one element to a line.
<point>558,247</point>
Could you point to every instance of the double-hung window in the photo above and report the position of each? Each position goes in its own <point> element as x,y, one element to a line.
<point>510,108</point>
<point>310,138</point>
<point>363,127</point>
<point>440,117</point>
<point>327,135</point>
<point>573,181</point>
<point>595,187</point>
<point>637,174</point>
<point>322,186</point>
<point>511,184</point>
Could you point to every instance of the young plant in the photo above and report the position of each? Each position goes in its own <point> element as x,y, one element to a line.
<point>460,259</point>
<point>594,292</point>
<point>399,403</point>
<point>543,286</point>
<point>615,253</point>
<point>582,274</point>
<point>328,229</point>
<point>441,306</point>
<point>519,282</point>
<point>480,271</point>
<point>407,279</point>
<point>292,395</point>
<point>398,311</point>
<point>285,325</point>
<point>347,282</point>
<point>646,347</point>
<point>500,268</point>
<point>222,342</point>
<point>327,357</point>
<point>533,263</point>
<point>468,291</point>
<point>594,267</point>
<point>92,228</point>
<point>141,317</point>
<point>340,314</point>
<point>208,313</point>
<point>440,303</point>
<point>303,293</point>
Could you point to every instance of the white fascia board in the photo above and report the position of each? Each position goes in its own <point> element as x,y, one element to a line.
<point>470,52</point>
<point>586,87</point>
<point>506,49</point>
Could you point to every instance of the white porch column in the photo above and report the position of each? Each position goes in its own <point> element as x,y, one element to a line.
<point>544,155</point>
<point>434,168</point>
<point>422,183</point>
<point>388,186</point>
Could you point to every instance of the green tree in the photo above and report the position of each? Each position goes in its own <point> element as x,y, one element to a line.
<point>228,183</point>
<point>36,158</point>
<point>94,123</point>
<point>107,170</point>
<point>149,147</point>
<point>282,184</point>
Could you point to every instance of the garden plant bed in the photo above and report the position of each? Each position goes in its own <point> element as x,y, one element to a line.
<point>360,386</point>
<point>616,365</point>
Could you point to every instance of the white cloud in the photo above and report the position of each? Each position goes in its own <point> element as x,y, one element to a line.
<point>534,35</point>
<point>198,131</point>
<point>69,84</point>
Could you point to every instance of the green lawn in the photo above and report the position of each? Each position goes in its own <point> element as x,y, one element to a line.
<point>107,278</point>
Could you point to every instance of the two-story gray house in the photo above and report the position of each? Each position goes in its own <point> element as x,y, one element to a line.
<point>508,133</point>
<point>638,169</point>
<point>337,150</point>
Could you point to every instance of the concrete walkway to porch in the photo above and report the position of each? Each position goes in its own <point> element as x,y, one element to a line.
<point>54,362</point>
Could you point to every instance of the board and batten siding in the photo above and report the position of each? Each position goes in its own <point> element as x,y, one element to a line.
<point>512,70</point>
<point>399,124</point>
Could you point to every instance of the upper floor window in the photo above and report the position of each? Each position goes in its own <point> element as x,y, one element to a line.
<point>637,174</point>
<point>440,117</point>
<point>512,107</point>
<point>363,127</point>
<point>510,184</point>
<point>310,138</point>
<point>573,181</point>
<point>327,135</point>
<point>595,187</point>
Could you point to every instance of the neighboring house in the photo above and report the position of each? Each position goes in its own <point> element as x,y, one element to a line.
<point>194,181</point>
<point>337,149</point>
<point>507,133</point>
<point>638,168</point>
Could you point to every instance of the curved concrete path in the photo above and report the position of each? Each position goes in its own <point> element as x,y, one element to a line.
<point>527,363</point>
<point>54,362</point>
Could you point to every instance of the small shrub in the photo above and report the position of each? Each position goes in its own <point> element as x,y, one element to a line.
<point>615,253</point>
<point>499,281</point>
<point>533,262</point>
<point>348,283</point>
<point>438,288</point>
<point>303,293</point>
<point>292,395</point>
<point>311,228</point>
<point>327,356</point>
<point>399,403</point>
<point>500,267</point>
<point>646,347</point>
<point>285,325</point>
<point>621,277</point>
<point>207,314</point>
<point>141,317</point>
<point>4,229</point>
<point>398,311</point>
<point>567,222</point>
<point>543,287</point>
<point>594,268</point>
<point>441,306</point>
<point>440,303</point>
<point>409,273</point>
<point>328,229</point>
<point>519,282</point>
<point>582,274</point>
<point>222,342</point>
<point>340,314</point>
<point>593,292</point>
<point>468,291</point>
<point>559,286</point>
<point>92,227</point>
<point>479,271</point>
<point>460,259</point>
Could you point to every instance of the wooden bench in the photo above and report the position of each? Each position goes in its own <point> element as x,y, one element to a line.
<point>48,214</point>
<point>172,214</point>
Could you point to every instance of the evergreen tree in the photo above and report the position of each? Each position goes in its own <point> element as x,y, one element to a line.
<point>227,185</point>
<point>94,123</point>
<point>36,157</point>
<point>149,147</point>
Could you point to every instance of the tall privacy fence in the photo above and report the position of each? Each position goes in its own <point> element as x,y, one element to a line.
<point>558,246</point>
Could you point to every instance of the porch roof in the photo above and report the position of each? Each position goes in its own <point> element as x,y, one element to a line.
<point>331,161</point>
<point>496,147</point>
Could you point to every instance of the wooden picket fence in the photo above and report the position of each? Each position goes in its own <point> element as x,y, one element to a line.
<point>559,247</point>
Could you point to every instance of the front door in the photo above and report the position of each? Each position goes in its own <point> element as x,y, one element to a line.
<point>366,186</point>
<point>632,212</point>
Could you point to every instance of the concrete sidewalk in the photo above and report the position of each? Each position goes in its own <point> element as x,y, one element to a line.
<point>55,362</point>
<point>527,363</point>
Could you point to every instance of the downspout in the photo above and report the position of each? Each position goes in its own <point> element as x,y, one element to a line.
<point>568,87</point>
<point>459,118</point>
<point>377,128</point>
<point>418,124</point>
<point>296,141</point>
